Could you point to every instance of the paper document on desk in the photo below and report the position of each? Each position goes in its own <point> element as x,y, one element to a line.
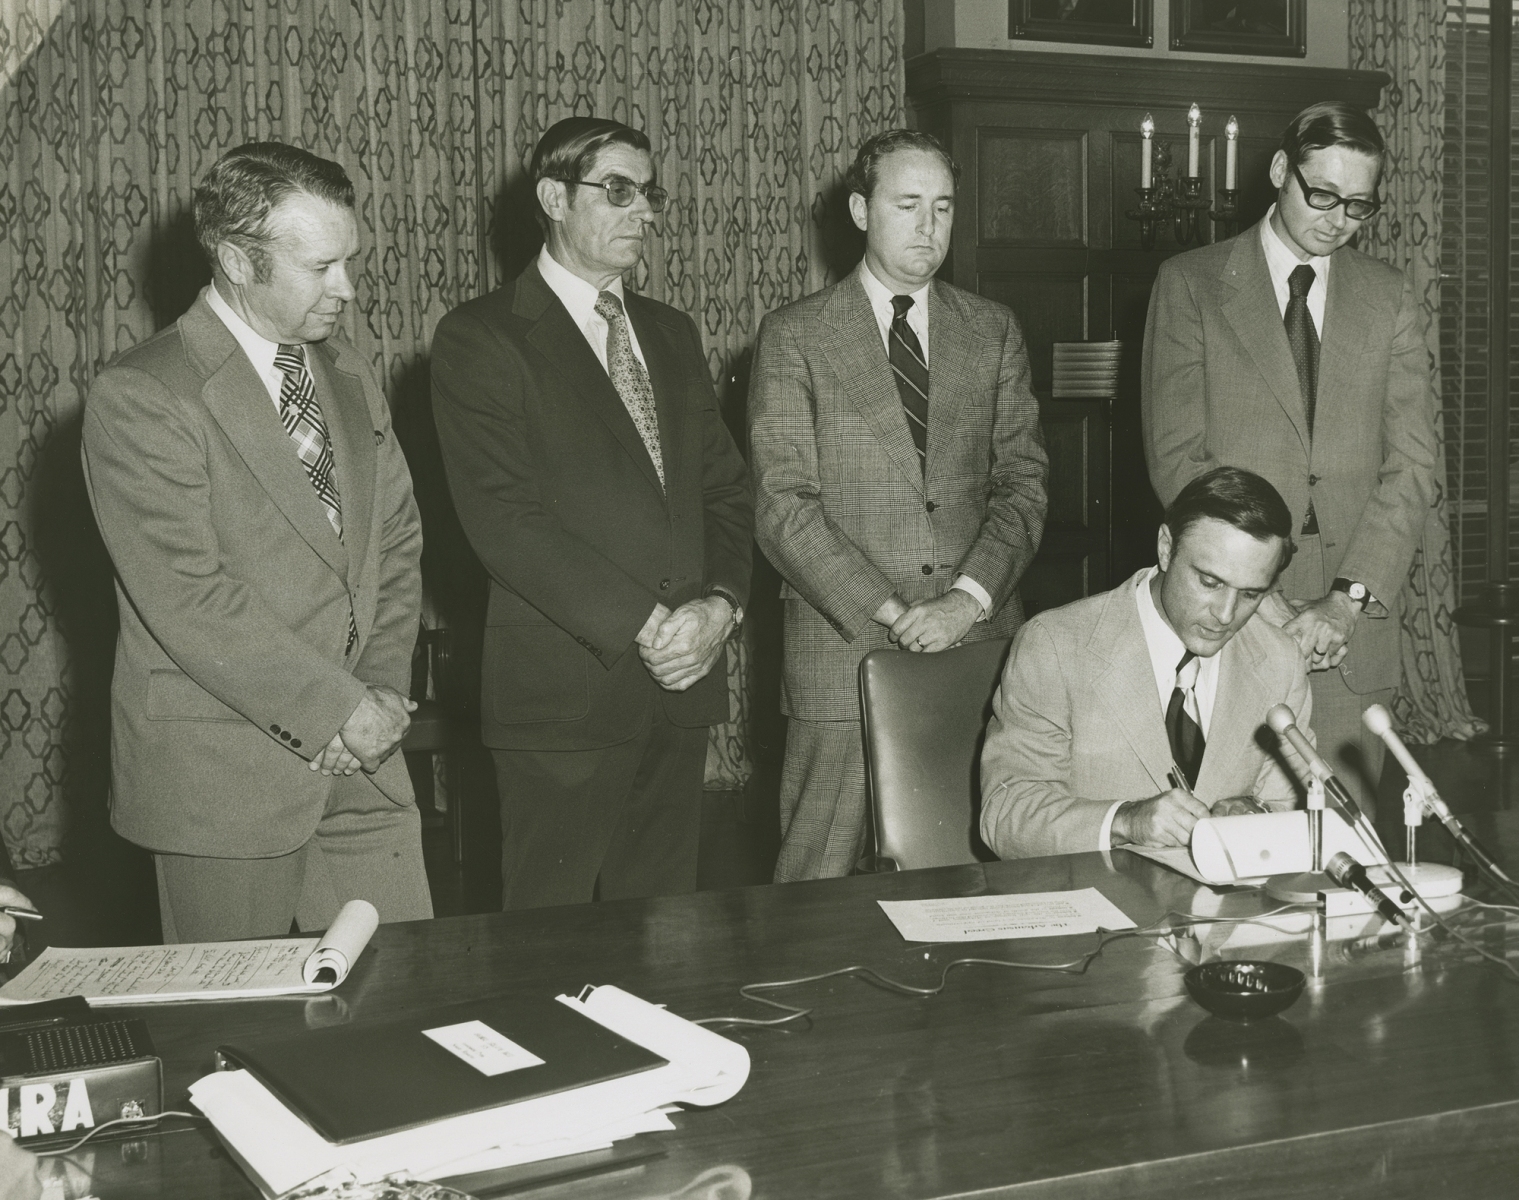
<point>1249,848</point>
<point>198,971</point>
<point>985,918</point>
<point>280,1151</point>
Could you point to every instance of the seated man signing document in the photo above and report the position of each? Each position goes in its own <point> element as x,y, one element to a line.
<point>1108,703</point>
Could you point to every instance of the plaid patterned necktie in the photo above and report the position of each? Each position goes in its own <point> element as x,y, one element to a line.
<point>301,416</point>
<point>630,379</point>
<point>905,353</point>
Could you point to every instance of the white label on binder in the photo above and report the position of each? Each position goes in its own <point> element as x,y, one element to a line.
<point>489,1052</point>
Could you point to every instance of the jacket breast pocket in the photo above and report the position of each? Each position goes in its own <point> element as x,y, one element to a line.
<point>174,696</point>
<point>536,673</point>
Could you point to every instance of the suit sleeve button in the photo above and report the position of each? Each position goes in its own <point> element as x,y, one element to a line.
<point>927,569</point>
<point>274,729</point>
<point>285,733</point>
<point>930,506</point>
<point>296,742</point>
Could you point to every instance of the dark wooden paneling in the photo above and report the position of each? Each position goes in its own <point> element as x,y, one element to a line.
<point>1032,187</point>
<point>1075,550</point>
<point>1051,308</point>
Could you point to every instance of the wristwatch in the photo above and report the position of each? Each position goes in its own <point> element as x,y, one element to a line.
<point>724,594</point>
<point>1356,591</point>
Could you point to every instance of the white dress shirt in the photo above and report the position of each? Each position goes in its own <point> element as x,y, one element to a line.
<point>579,297</point>
<point>880,297</point>
<point>259,349</point>
<point>1166,651</point>
<point>1281,262</point>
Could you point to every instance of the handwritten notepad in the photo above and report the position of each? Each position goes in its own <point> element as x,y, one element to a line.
<point>199,971</point>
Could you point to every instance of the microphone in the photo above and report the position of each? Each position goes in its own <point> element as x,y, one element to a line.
<point>1379,721</point>
<point>1348,873</point>
<point>1282,720</point>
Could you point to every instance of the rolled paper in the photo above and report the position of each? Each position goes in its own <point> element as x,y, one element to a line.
<point>342,944</point>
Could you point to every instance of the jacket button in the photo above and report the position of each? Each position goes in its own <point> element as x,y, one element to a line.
<point>930,506</point>
<point>1313,480</point>
<point>296,742</point>
<point>664,585</point>
<point>927,570</point>
<point>285,734</point>
<point>274,729</point>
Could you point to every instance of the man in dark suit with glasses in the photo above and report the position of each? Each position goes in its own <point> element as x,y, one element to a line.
<point>595,478</point>
<point>1287,352</point>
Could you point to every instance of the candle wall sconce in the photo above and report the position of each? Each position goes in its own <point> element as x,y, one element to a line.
<point>1181,202</point>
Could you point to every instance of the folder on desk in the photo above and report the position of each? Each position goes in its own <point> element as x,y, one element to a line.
<point>352,1082</point>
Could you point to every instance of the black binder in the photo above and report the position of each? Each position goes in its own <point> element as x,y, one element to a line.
<point>351,1082</point>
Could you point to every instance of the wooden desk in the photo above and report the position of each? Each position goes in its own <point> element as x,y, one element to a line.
<point>1382,1081</point>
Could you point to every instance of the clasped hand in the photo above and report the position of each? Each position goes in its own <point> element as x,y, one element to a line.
<point>680,647</point>
<point>372,733</point>
<point>932,625</point>
<point>1322,629</point>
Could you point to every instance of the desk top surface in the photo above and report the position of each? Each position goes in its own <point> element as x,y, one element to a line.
<point>1393,1071</point>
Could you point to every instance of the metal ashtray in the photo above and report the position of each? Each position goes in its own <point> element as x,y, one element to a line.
<point>1245,990</point>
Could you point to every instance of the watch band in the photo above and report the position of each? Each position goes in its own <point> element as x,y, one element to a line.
<point>1356,591</point>
<point>723,593</point>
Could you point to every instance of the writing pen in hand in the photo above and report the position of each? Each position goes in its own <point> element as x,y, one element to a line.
<point>1178,780</point>
<point>26,914</point>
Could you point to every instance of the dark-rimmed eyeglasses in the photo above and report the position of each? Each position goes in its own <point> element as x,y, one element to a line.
<point>622,191</point>
<point>1323,200</point>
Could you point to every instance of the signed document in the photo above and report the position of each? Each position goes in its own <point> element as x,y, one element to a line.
<point>985,918</point>
<point>199,971</point>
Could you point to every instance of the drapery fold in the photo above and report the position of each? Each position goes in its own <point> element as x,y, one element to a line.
<point>112,111</point>
<point>1406,39</point>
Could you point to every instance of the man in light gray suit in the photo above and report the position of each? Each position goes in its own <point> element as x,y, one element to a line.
<point>1127,717</point>
<point>900,480</point>
<point>1285,351</point>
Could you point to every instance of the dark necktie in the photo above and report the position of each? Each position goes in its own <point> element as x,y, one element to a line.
<point>630,379</point>
<point>301,416</point>
<point>905,353</point>
<point>1304,340</point>
<point>1183,720</point>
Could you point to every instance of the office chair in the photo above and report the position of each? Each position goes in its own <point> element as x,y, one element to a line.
<point>925,717</point>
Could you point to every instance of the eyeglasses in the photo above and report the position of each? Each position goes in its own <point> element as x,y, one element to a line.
<point>1323,199</point>
<point>622,192</point>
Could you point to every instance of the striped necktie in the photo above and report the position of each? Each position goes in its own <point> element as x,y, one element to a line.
<point>301,416</point>
<point>905,353</point>
<point>1184,719</point>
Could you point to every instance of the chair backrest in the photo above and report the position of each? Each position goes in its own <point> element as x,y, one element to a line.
<point>925,717</point>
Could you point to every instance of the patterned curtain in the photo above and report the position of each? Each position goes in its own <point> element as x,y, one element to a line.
<point>1406,39</point>
<point>111,112</point>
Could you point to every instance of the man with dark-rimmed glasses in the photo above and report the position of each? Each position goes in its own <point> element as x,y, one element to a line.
<point>599,487</point>
<point>1289,353</point>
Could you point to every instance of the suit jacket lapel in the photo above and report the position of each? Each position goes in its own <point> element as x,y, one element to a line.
<point>341,396</point>
<point>240,404</point>
<point>951,349</point>
<point>1347,320</point>
<point>1239,708</point>
<point>1126,682</point>
<point>859,360</point>
<point>1252,312</point>
<point>555,336</point>
<point>654,339</point>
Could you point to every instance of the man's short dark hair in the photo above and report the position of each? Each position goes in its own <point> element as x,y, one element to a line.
<point>234,198</point>
<point>568,150</point>
<point>1236,497</point>
<point>1332,123</point>
<point>866,168</point>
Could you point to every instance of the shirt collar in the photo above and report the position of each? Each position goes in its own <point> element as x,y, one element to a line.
<point>1280,259</point>
<point>880,295</point>
<point>259,349</point>
<point>577,295</point>
<point>1165,647</point>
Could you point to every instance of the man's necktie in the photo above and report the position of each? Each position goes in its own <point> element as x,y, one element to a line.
<point>630,379</point>
<point>1304,340</point>
<point>1184,719</point>
<point>301,416</point>
<point>905,353</point>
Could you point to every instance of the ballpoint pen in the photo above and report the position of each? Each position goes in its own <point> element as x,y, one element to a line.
<point>26,914</point>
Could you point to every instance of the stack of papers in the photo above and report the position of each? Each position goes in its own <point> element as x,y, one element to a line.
<point>280,1151</point>
<point>1086,370</point>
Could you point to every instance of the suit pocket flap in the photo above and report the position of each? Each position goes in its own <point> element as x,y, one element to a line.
<point>174,696</point>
